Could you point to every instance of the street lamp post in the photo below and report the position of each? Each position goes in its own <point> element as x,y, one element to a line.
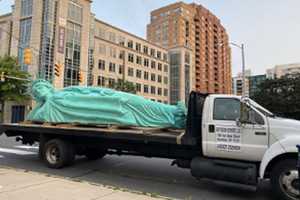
<point>242,48</point>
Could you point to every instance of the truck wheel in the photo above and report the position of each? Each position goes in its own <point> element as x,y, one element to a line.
<point>94,154</point>
<point>285,181</point>
<point>58,153</point>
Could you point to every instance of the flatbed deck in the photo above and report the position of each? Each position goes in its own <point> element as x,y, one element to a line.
<point>145,135</point>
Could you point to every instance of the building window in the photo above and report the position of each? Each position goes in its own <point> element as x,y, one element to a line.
<point>72,55</point>
<point>101,32</point>
<point>138,73</point>
<point>139,60</point>
<point>24,40</point>
<point>153,65</point>
<point>187,82</point>
<point>48,31</point>
<point>152,52</point>
<point>166,68</point>
<point>146,75</point>
<point>159,66</point>
<point>112,67</point>
<point>165,57</point>
<point>111,82</point>
<point>130,44</point>
<point>130,71</point>
<point>101,81</point>
<point>26,8</point>
<point>187,58</point>
<point>146,89</point>
<point>138,47</point>
<point>165,92</point>
<point>158,54</point>
<point>159,91</point>
<point>146,62</point>
<point>130,57</point>
<point>152,77</point>
<point>145,50</point>
<point>75,13</point>
<point>166,80</point>
<point>112,37</point>
<point>121,69</point>
<point>101,64</point>
<point>102,49</point>
<point>122,40</point>
<point>159,79</point>
<point>153,90</point>
<point>113,52</point>
<point>138,87</point>
<point>121,55</point>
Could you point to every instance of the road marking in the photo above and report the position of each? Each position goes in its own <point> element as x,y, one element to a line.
<point>16,151</point>
<point>1,156</point>
<point>26,147</point>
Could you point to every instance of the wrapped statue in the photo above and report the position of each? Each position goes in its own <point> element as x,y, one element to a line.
<point>95,105</point>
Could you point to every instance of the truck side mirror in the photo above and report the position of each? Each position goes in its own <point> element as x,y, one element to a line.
<point>245,111</point>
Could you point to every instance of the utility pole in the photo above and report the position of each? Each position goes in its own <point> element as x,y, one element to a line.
<point>243,70</point>
<point>242,48</point>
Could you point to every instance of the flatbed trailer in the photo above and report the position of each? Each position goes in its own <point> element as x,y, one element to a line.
<point>149,142</point>
<point>95,141</point>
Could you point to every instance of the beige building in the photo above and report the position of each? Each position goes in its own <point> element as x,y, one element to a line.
<point>66,32</point>
<point>237,84</point>
<point>5,30</point>
<point>282,70</point>
<point>194,27</point>
<point>120,55</point>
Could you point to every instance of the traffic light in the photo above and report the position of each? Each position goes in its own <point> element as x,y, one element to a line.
<point>2,77</point>
<point>80,77</point>
<point>57,69</point>
<point>27,56</point>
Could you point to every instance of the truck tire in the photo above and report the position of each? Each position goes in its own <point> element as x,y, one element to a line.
<point>94,154</point>
<point>284,180</point>
<point>58,153</point>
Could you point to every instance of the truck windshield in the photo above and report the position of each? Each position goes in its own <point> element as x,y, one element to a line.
<point>261,109</point>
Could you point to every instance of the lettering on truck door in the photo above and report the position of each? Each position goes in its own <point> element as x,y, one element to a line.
<point>225,139</point>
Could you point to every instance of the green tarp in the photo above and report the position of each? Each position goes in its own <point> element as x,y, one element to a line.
<point>94,105</point>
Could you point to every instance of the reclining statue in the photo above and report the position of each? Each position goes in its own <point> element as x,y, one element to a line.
<point>95,105</point>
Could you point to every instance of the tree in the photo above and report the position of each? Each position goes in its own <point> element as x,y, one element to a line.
<point>125,86</point>
<point>11,89</point>
<point>281,96</point>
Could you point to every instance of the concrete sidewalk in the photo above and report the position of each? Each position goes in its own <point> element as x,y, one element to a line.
<point>24,185</point>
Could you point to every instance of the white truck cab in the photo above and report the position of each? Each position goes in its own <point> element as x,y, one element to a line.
<point>237,128</point>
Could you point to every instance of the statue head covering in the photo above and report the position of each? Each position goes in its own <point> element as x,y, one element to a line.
<point>41,90</point>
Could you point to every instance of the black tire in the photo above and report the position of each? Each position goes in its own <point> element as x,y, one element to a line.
<point>58,153</point>
<point>281,174</point>
<point>94,154</point>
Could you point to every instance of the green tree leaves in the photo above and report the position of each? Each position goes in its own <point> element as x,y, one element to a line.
<point>12,89</point>
<point>125,86</point>
<point>281,96</point>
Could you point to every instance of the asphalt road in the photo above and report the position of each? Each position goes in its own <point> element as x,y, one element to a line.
<point>149,175</point>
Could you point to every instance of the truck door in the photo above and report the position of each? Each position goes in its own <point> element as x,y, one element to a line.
<point>228,139</point>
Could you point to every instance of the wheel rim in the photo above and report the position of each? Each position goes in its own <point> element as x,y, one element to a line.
<point>289,183</point>
<point>53,154</point>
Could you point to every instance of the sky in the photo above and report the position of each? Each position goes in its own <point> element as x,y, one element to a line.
<point>270,29</point>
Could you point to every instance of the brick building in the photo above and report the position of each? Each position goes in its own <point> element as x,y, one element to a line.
<point>193,27</point>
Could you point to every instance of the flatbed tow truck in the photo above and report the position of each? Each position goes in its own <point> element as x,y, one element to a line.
<point>227,138</point>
